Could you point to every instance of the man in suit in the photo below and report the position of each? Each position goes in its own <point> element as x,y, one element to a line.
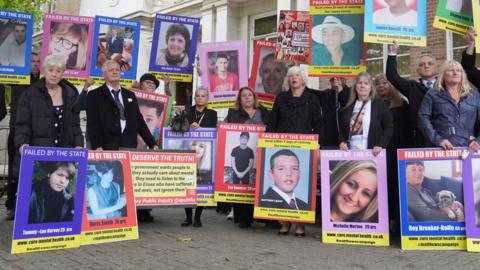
<point>115,43</point>
<point>114,119</point>
<point>285,174</point>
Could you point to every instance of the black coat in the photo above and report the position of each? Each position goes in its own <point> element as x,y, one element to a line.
<point>414,91</point>
<point>296,114</point>
<point>35,117</point>
<point>209,120</point>
<point>103,121</point>
<point>381,124</point>
<point>16,92</point>
<point>473,74</point>
<point>241,116</point>
<point>3,107</point>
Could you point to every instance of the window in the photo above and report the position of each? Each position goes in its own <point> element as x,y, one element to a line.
<point>458,47</point>
<point>377,58</point>
<point>262,26</point>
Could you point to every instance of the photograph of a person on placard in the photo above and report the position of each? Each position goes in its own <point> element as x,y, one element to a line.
<point>336,40</point>
<point>105,193</point>
<point>203,156</point>
<point>223,71</point>
<point>271,74</point>
<point>12,42</point>
<point>353,191</point>
<point>396,12</point>
<point>115,43</point>
<point>434,191</point>
<point>152,113</point>
<point>476,189</point>
<point>462,6</point>
<point>53,186</point>
<point>245,144</point>
<point>69,40</point>
<point>285,180</point>
<point>174,42</point>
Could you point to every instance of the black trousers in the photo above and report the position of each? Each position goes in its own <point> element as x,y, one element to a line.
<point>198,213</point>
<point>12,181</point>
<point>243,213</point>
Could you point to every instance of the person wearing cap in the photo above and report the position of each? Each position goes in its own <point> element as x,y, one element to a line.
<point>396,12</point>
<point>330,47</point>
<point>148,82</point>
<point>421,203</point>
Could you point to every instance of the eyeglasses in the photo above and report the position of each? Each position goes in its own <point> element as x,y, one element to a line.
<point>66,44</point>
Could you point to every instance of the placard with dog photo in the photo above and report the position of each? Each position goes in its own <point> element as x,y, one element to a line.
<point>236,162</point>
<point>109,214</point>
<point>471,194</point>
<point>431,199</point>
<point>50,199</point>
<point>354,198</point>
<point>286,177</point>
<point>16,30</point>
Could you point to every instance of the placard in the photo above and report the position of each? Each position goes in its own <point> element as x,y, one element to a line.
<point>471,193</point>
<point>287,177</point>
<point>431,199</point>
<point>354,198</point>
<point>163,178</point>
<point>337,38</point>
<point>204,142</point>
<point>293,40</point>
<point>221,102</point>
<point>454,15</point>
<point>16,30</point>
<point>109,213</point>
<point>50,199</point>
<point>236,162</point>
<point>174,46</point>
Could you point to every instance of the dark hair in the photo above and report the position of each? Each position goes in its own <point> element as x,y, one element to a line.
<point>70,166</point>
<point>103,167</point>
<point>245,134</point>
<point>283,152</point>
<point>151,104</point>
<point>222,55</point>
<point>35,53</point>
<point>238,103</point>
<point>20,24</point>
<point>414,162</point>
<point>182,30</point>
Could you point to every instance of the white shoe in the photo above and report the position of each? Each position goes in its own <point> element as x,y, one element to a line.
<point>230,215</point>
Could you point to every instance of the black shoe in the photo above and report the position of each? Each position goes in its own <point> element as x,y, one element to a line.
<point>186,223</point>
<point>300,234</point>
<point>280,232</point>
<point>197,223</point>
<point>145,217</point>
<point>244,225</point>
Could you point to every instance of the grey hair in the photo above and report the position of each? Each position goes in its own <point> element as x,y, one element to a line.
<point>297,70</point>
<point>108,62</point>
<point>425,54</point>
<point>55,60</point>
<point>202,88</point>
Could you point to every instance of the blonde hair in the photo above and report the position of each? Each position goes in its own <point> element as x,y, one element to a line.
<point>342,171</point>
<point>205,162</point>
<point>394,96</point>
<point>79,59</point>
<point>353,93</point>
<point>465,86</point>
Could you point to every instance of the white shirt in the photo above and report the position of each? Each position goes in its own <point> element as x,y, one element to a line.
<point>361,141</point>
<point>384,16</point>
<point>425,82</point>
<point>11,53</point>
<point>285,196</point>
<point>123,123</point>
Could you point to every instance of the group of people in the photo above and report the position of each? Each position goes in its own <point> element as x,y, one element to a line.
<point>441,109</point>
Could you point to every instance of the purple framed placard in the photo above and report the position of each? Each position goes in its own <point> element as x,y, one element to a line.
<point>223,65</point>
<point>471,200</point>
<point>354,197</point>
<point>50,199</point>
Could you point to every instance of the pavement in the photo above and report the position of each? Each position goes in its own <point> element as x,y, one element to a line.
<point>219,244</point>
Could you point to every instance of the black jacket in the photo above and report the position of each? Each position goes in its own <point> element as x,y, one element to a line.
<point>47,205</point>
<point>209,120</point>
<point>381,124</point>
<point>3,107</point>
<point>473,74</point>
<point>16,93</point>
<point>296,114</point>
<point>330,104</point>
<point>103,121</point>
<point>35,117</point>
<point>414,91</point>
<point>241,116</point>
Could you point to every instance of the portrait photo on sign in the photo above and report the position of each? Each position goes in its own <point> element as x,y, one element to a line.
<point>115,43</point>
<point>476,189</point>
<point>152,113</point>
<point>69,40</point>
<point>53,191</point>
<point>271,75</point>
<point>434,190</point>
<point>203,156</point>
<point>285,179</point>
<point>353,191</point>
<point>105,193</point>
<point>396,12</point>
<point>460,6</point>
<point>240,158</point>
<point>223,71</point>
<point>12,42</point>
<point>174,43</point>
<point>337,40</point>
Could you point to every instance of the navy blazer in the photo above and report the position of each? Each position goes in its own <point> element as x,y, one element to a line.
<point>271,199</point>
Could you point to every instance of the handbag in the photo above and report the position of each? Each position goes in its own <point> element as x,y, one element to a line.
<point>180,123</point>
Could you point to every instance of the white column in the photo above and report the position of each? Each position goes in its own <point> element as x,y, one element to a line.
<point>207,25</point>
<point>221,23</point>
